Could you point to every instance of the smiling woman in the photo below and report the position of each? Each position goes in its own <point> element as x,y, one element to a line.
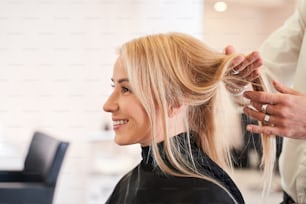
<point>169,90</point>
<point>130,120</point>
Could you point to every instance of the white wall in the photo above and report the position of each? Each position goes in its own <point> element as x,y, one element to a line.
<point>245,24</point>
<point>56,61</point>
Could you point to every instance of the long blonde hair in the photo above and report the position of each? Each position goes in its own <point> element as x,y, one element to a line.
<point>167,70</point>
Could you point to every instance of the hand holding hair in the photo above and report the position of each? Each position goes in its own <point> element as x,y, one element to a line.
<point>245,69</point>
<point>284,113</point>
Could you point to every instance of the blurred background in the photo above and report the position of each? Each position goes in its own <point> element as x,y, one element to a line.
<point>56,59</point>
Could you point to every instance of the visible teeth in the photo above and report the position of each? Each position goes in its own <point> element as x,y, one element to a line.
<point>120,122</point>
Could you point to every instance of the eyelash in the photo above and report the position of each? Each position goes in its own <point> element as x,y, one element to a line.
<point>123,88</point>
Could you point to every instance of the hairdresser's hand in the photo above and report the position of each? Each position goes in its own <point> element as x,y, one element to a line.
<point>246,68</point>
<point>284,114</point>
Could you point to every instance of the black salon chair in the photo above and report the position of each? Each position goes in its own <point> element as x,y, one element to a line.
<point>36,182</point>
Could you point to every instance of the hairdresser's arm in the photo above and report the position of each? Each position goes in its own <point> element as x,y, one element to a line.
<point>286,109</point>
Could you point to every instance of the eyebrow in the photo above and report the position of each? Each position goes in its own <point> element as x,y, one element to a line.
<point>121,80</point>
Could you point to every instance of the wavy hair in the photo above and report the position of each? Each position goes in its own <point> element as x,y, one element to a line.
<point>168,70</point>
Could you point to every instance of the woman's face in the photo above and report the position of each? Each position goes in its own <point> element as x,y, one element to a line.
<point>130,121</point>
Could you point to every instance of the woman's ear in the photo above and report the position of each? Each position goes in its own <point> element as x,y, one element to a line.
<point>176,119</point>
<point>175,110</point>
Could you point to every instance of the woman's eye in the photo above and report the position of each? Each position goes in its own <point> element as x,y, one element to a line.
<point>124,89</point>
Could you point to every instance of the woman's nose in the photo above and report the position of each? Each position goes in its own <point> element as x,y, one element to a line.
<point>111,104</point>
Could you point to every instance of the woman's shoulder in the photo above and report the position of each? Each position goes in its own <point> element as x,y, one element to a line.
<point>208,193</point>
<point>170,190</point>
<point>121,190</point>
<point>198,190</point>
<point>209,168</point>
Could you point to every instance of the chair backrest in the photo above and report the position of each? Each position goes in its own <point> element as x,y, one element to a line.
<point>45,157</point>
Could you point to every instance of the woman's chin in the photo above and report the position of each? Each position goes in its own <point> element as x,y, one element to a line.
<point>121,142</point>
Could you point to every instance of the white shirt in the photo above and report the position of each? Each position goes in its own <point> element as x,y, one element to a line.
<point>284,55</point>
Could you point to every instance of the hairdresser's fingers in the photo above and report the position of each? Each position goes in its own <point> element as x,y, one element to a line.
<point>285,90</point>
<point>270,109</point>
<point>254,75</point>
<point>250,68</point>
<point>263,97</point>
<point>266,130</point>
<point>260,115</point>
<point>276,130</point>
<point>249,78</point>
<point>235,64</point>
<point>253,59</point>
<point>229,50</point>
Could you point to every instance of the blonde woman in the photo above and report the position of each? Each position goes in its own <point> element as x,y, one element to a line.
<point>170,96</point>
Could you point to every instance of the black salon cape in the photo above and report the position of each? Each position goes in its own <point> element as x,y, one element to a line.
<point>146,184</point>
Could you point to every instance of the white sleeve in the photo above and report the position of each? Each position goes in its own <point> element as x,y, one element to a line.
<point>281,49</point>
